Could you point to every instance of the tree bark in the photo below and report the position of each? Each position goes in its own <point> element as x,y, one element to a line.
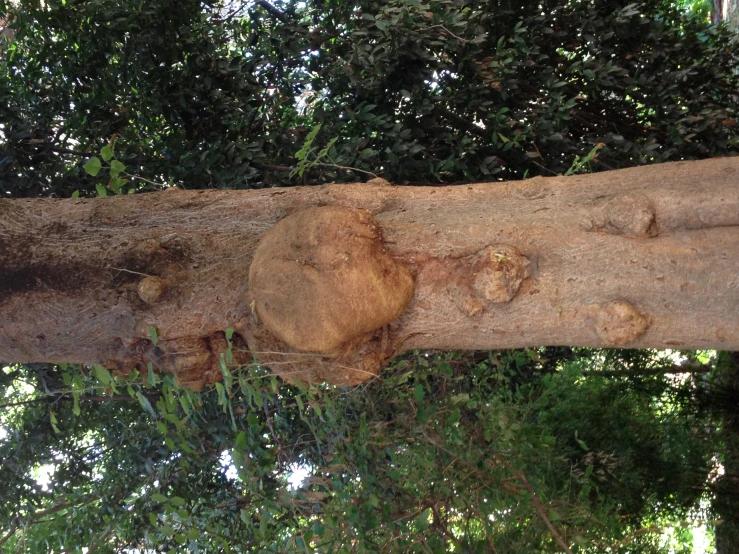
<point>731,14</point>
<point>645,257</point>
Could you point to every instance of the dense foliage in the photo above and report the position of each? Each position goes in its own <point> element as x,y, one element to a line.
<point>417,92</point>
<point>526,451</point>
<point>445,453</point>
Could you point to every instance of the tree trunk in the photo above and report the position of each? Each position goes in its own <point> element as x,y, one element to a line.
<point>640,258</point>
<point>726,10</point>
<point>731,13</point>
<point>716,13</point>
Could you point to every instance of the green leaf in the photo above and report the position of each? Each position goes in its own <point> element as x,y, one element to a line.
<point>54,422</point>
<point>159,497</point>
<point>227,375</point>
<point>145,404</point>
<point>303,152</point>
<point>76,194</point>
<point>240,442</point>
<point>92,167</point>
<point>152,378</point>
<point>116,183</point>
<point>222,401</point>
<point>106,152</point>
<point>418,393</point>
<point>177,501</point>
<point>460,398</point>
<point>153,335</point>
<point>152,518</point>
<point>317,408</point>
<point>102,191</point>
<point>185,405</point>
<point>299,402</point>
<point>102,374</point>
<point>76,409</point>
<point>422,520</point>
<point>116,168</point>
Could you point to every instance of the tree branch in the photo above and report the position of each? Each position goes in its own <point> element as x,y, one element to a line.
<point>8,535</point>
<point>274,12</point>
<point>66,151</point>
<point>267,167</point>
<point>675,369</point>
<point>81,399</point>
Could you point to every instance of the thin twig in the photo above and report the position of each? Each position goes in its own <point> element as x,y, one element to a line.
<point>448,31</point>
<point>345,168</point>
<point>544,168</point>
<point>130,176</point>
<point>675,369</point>
<point>61,394</point>
<point>269,167</point>
<point>129,271</point>
<point>95,544</point>
<point>66,151</point>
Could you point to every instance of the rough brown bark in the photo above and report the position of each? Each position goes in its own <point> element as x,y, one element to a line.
<point>644,258</point>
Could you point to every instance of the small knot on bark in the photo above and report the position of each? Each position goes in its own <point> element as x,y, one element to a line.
<point>619,323</point>
<point>379,181</point>
<point>630,215</point>
<point>151,288</point>
<point>499,272</point>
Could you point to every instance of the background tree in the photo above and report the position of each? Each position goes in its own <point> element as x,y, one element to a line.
<point>540,450</point>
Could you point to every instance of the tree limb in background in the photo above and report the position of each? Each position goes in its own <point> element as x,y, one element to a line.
<point>274,12</point>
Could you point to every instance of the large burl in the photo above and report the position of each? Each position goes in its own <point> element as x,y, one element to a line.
<point>322,283</point>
